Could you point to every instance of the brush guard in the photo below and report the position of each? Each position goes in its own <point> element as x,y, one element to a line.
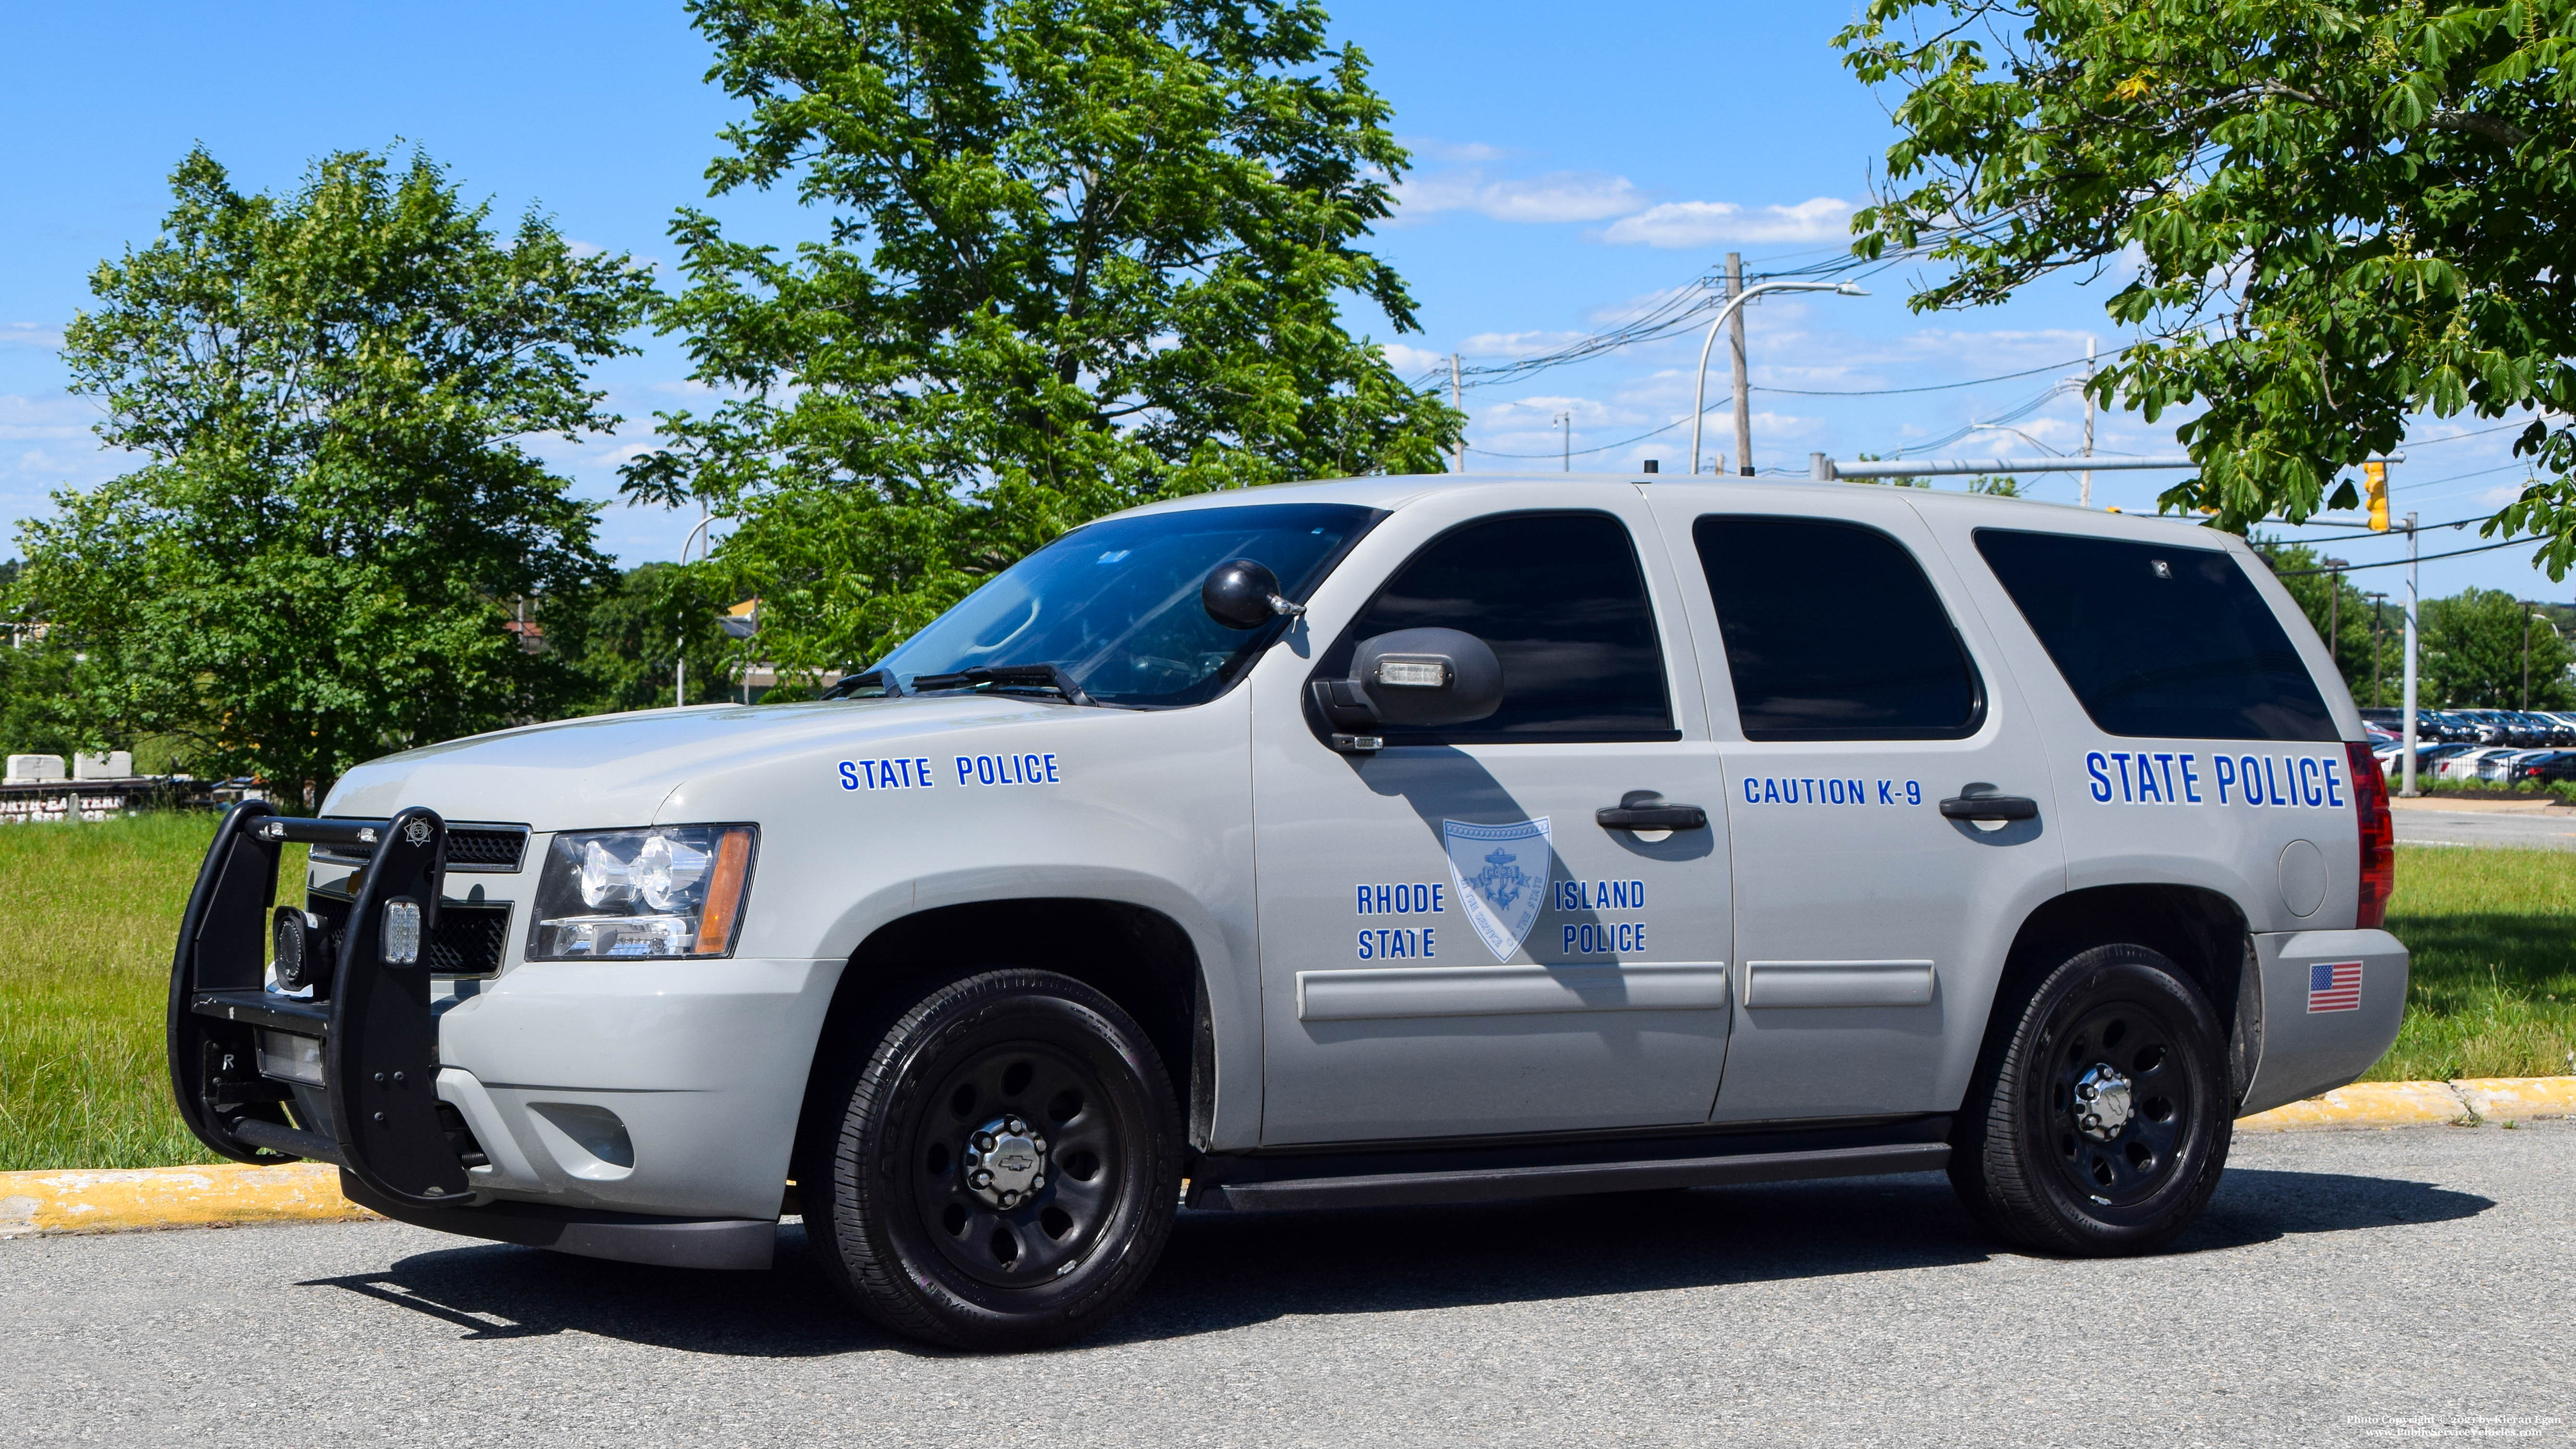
<point>378,1033</point>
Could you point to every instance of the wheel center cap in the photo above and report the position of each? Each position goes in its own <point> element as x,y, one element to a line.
<point>2102,1104</point>
<point>1005,1161</point>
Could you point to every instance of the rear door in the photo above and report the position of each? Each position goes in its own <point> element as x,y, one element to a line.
<point>1851,693</point>
<point>2178,687</point>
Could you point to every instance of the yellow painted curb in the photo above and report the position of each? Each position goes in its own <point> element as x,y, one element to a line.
<point>2518,1099</point>
<point>108,1200</point>
<point>2406,1104</point>
<point>2365,1104</point>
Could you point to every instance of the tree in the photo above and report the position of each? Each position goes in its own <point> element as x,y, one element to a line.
<point>624,640</point>
<point>1080,254</point>
<point>2473,654</point>
<point>2336,215</point>
<point>2340,612</point>
<point>319,559</point>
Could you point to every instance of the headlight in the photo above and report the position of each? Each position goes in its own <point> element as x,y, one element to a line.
<point>673,890</point>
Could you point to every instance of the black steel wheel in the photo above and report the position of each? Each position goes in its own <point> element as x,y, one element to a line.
<point>2100,1122</point>
<point>1006,1165</point>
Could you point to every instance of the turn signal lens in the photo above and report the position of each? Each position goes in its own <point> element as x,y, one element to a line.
<point>2378,829</point>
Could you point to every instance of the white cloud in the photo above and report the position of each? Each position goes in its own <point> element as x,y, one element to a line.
<point>1700,223</point>
<point>1412,361</point>
<point>1517,344</point>
<point>30,334</point>
<point>26,418</point>
<point>1557,196</point>
<point>1439,150</point>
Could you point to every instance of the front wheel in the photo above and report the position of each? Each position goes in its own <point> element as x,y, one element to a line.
<point>1006,1167</point>
<point>2101,1122</point>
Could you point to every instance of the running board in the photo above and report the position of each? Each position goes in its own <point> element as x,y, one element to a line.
<point>1413,1189</point>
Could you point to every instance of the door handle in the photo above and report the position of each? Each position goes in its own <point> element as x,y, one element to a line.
<point>1645,810</point>
<point>1997,808</point>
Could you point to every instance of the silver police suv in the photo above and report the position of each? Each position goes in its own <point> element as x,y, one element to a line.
<point>1397,840</point>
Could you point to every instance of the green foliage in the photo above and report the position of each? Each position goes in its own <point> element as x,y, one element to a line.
<point>2331,216</point>
<point>624,640</point>
<point>1081,254</point>
<point>318,560</point>
<point>1997,485</point>
<point>2473,654</point>
<point>2341,614</point>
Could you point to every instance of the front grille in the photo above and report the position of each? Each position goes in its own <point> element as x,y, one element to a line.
<point>486,847</point>
<point>492,848</point>
<point>467,941</point>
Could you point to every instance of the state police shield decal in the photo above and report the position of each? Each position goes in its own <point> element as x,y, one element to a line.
<point>1502,873</point>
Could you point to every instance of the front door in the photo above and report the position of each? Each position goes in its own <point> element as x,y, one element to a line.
<point>1853,692</point>
<point>1451,943</point>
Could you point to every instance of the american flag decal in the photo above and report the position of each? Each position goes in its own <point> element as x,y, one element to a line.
<point>2334,986</point>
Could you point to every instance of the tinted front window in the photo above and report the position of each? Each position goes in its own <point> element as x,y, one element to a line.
<point>2158,640</point>
<point>1116,603</point>
<point>1833,633</point>
<point>1560,599</point>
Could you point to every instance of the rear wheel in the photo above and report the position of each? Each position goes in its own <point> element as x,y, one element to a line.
<point>2101,1122</point>
<point>1006,1166</point>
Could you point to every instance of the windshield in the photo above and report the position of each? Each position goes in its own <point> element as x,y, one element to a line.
<point>1115,605</point>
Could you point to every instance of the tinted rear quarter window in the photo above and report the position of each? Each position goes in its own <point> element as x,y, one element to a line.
<point>1832,632</point>
<point>1562,602</point>
<point>2159,640</point>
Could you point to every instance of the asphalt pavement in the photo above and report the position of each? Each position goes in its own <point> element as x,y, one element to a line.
<point>2352,1286</point>
<point>2550,830</point>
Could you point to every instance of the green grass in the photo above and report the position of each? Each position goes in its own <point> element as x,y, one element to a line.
<point>92,911</point>
<point>2493,936</point>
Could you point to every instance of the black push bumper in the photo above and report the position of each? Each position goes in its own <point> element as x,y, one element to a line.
<point>378,1035</point>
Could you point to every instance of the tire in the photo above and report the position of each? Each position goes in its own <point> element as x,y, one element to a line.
<point>1005,1166</point>
<point>2128,1170</point>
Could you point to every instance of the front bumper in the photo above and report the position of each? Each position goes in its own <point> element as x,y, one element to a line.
<point>633,1109</point>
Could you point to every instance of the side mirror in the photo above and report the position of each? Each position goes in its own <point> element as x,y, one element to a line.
<point>1242,594</point>
<point>1420,677</point>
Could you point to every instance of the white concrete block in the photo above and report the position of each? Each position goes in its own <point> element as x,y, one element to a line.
<point>114,765</point>
<point>34,769</point>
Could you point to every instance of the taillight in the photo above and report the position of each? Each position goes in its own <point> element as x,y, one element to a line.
<point>2378,836</point>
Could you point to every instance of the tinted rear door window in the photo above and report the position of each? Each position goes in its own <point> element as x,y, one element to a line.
<point>1562,602</point>
<point>2159,641</point>
<point>1833,633</point>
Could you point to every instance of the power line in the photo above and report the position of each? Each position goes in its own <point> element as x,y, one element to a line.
<point>2397,562</point>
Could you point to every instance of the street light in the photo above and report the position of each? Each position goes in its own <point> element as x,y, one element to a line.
<point>680,646</point>
<point>1699,395</point>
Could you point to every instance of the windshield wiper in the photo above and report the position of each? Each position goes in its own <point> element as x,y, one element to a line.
<point>854,686</point>
<point>1008,676</point>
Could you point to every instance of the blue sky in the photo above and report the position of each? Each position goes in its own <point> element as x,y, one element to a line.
<point>1572,165</point>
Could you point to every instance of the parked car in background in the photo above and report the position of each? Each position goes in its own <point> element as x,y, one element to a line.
<point>2464,765</point>
<point>2543,768</point>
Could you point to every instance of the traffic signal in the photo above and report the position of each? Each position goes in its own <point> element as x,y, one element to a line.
<point>2375,477</point>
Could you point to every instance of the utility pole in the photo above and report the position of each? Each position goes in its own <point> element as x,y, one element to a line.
<point>2084,496</point>
<point>1457,402</point>
<point>2378,607</point>
<point>1743,389</point>
<point>2526,656</point>
<point>2411,563</point>
<point>1566,420</point>
<point>2334,612</point>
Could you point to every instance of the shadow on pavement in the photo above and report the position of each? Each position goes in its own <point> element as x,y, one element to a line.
<point>1225,1270</point>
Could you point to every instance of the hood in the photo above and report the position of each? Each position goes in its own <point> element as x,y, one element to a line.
<point>618,769</point>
